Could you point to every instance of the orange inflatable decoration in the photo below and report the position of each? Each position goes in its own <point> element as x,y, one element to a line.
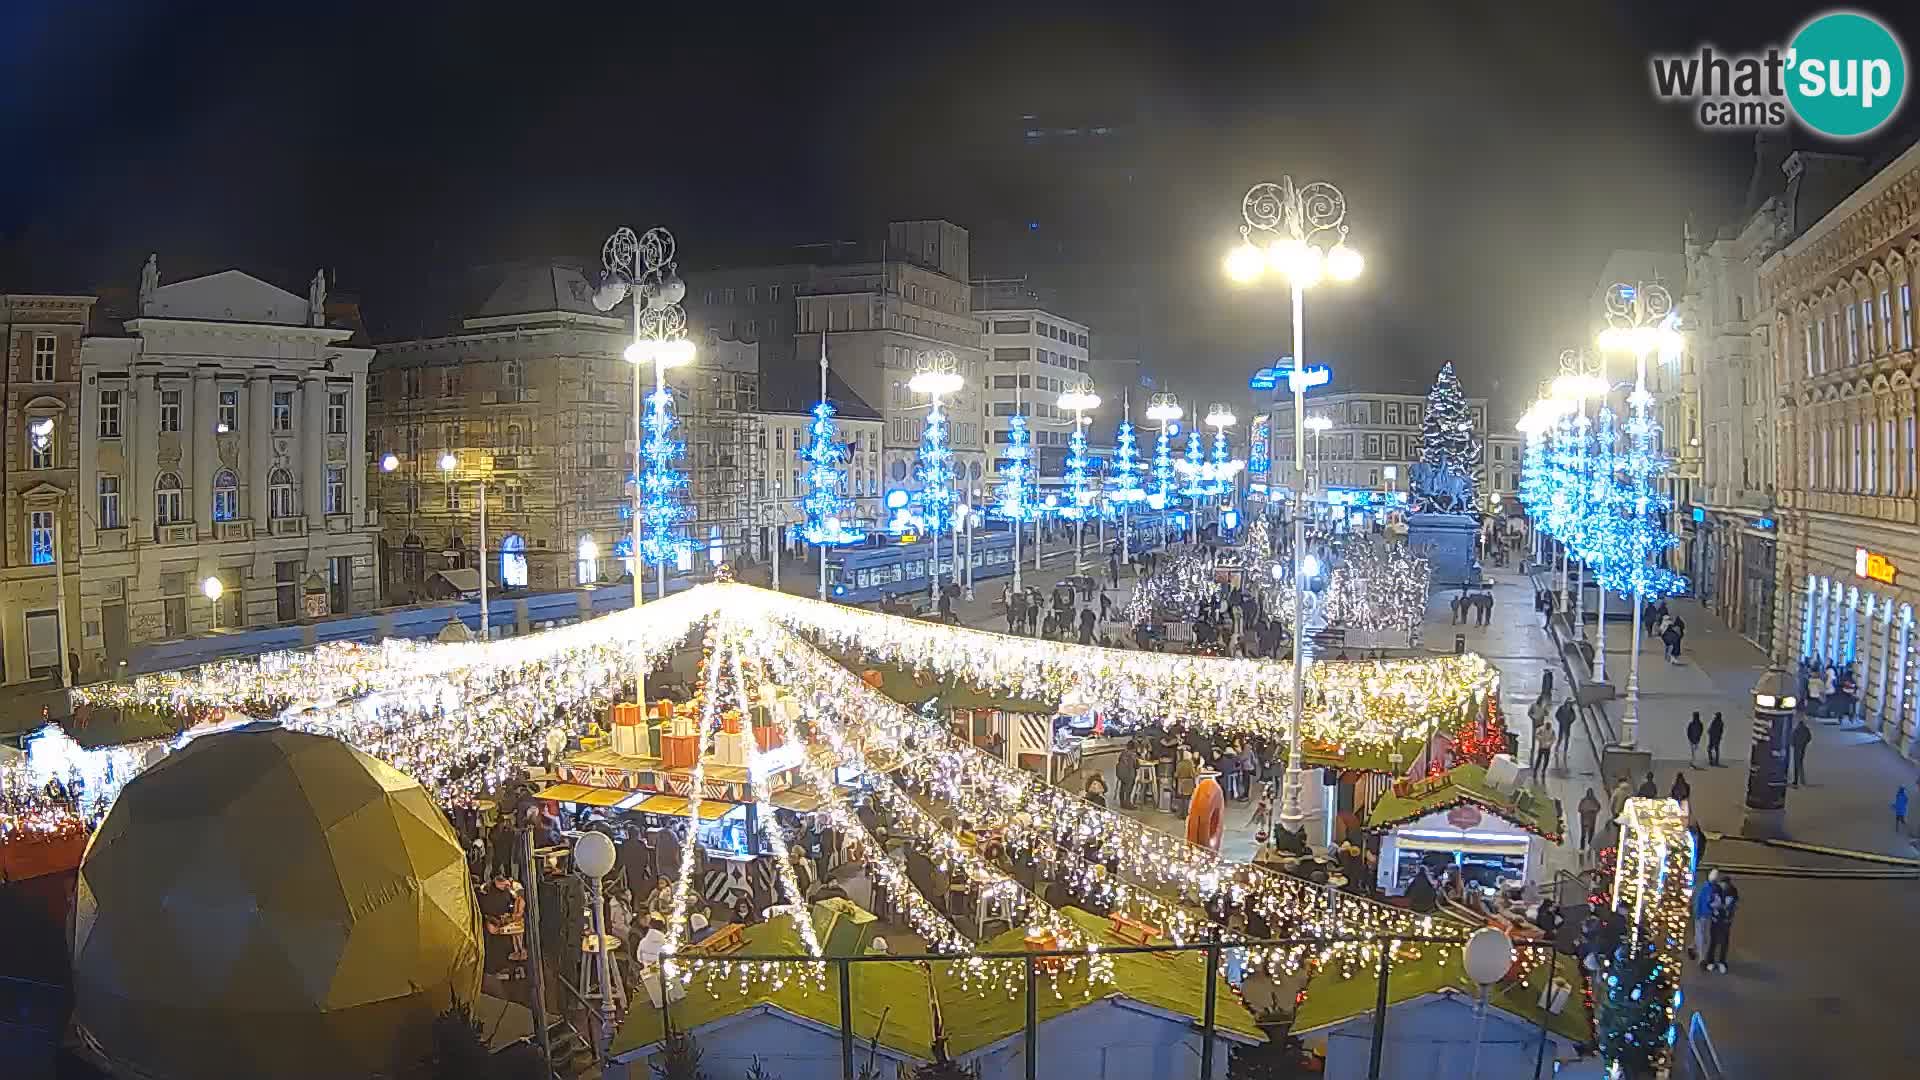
<point>1206,814</point>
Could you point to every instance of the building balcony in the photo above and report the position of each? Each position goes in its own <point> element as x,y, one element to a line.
<point>114,539</point>
<point>287,526</point>
<point>226,531</point>
<point>338,524</point>
<point>175,532</point>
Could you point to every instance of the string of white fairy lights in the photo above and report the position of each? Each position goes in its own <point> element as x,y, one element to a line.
<point>798,913</point>
<point>1037,815</point>
<point>696,796</point>
<point>1372,704</point>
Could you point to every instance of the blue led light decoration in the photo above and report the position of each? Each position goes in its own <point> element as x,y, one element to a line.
<point>1164,410</point>
<point>1126,470</point>
<point>1077,464</point>
<point>1643,536</point>
<point>1016,500</point>
<point>1193,467</point>
<point>825,511</point>
<point>937,375</point>
<point>663,509</point>
<point>1602,496</point>
<point>1221,466</point>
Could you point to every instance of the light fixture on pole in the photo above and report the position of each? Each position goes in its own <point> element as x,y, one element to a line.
<point>1291,224</point>
<point>389,462</point>
<point>826,514</point>
<point>1164,409</point>
<point>643,268</point>
<point>1488,958</point>
<point>213,589</point>
<point>936,374</point>
<point>1078,400</point>
<point>448,463</point>
<point>1319,425</point>
<point>1124,488</point>
<point>1222,470</point>
<point>1642,322</point>
<point>593,855</point>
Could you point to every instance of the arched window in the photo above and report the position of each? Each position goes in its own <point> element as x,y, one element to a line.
<point>279,494</point>
<point>587,561</point>
<point>166,499</point>
<point>226,496</point>
<point>513,562</point>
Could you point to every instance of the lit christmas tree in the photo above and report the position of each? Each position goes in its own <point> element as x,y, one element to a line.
<point>826,512</point>
<point>1643,535</point>
<point>934,470</point>
<point>1601,496</point>
<point>1194,467</point>
<point>1632,1019</point>
<point>1077,464</point>
<point>1534,481</point>
<point>1162,470</point>
<point>1126,469</point>
<point>1016,501</point>
<point>662,509</point>
<point>1447,440</point>
<point>1561,484</point>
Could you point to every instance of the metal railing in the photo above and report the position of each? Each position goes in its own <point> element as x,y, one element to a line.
<point>1701,1060</point>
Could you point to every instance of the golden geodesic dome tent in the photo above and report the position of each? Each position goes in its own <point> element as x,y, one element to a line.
<point>271,903</point>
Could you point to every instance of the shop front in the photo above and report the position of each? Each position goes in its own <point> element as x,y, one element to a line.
<point>1855,625</point>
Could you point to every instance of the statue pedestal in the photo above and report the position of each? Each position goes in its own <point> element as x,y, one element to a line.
<point>1448,540</point>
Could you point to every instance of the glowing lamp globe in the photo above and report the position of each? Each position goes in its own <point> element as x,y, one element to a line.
<point>213,588</point>
<point>448,462</point>
<point>1317,423</point>
<point>1309,266</point>
<point>676,353</point>
<point>1284,255</point>
<point>389,462</point>
<point>1344,263</point>
<point>593,854</point>
<point>639,352</point>
<point>1246,263</point>
<point>266,902</point>
<point>934,383</point>
<point>1310,566</point>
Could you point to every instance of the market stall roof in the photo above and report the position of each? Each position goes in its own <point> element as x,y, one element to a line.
<point>888,998</point>
<point>582,794</point>
<point>1467,785</point>
<point>900,684</point>
<point>1373,759</point>
<point>1332,998</point>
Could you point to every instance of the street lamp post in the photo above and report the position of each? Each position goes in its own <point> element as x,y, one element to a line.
<point>1220,418</point>
<point>448,463</point>
<point>937,376</point>
<point>1294,221</point>
<point>642,267</point>
<point>1078,400</point>
<point>1641,318</point>
<point>213,589</point>
<point>1318,425</point>
<point>1165,410</point>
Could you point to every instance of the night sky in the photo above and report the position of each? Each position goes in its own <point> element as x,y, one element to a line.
<point>1491,154</point>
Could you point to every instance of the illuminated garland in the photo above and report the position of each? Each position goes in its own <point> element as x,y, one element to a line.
<point>1194,468</point>
<point>934,468</point>
<point>1016,502</point>
<point>1163,470</point>
<point>826,514</point>
<point>662,510</point>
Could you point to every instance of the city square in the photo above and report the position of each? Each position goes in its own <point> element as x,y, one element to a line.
<point>1073,585</point>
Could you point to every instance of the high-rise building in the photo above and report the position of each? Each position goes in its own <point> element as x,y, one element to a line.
<point>1033,355</point>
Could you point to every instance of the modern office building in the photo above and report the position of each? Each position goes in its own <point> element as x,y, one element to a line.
<point>1033,354</point>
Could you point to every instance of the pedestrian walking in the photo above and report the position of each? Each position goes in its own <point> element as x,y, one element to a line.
<point>1648,789</point>
<point>1671,636</point>
<point>1714,731</point>
<point>1113,569</point>
<point>1802,738</point>
<point>1622,791</point>
<point>1125,767</point>
<point>1723,906</point>
<point>1589,815</point>
<point>1106,606</point>
<point>1564,717</point>
<point>1542,750</point>
<point>1900,807</point>
<point>1702,916</point>
<point>1086,626</point>
<point>1681,791</point>
<point>1486,608</point>
<point>1695,729</point>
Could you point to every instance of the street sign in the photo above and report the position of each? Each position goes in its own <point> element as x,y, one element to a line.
<point>1265,379</point>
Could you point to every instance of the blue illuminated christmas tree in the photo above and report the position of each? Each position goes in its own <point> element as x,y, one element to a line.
<point>1600,495</point>
<point>1078,501</point>
<point>1220,469</point>
<point>934,470</point>
<point>1534,481</point>
<point>1643,535</point>
<point>826,513</point>
<point>1162,469</point>
<point>663,511</point>
<point>1016,500</point>
<point>1126,469</point>
<point>1561,481</point>
<point>1194,467</point>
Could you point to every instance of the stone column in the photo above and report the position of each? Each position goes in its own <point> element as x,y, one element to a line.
<point>313,449</point>
<point>203,461</point>
<point>259,445</point>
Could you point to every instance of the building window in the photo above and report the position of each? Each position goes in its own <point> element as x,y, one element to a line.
<point>336,490</point>
<point>169,410</point>
<point>1854,458</point>
<point>413,498</point>
<point>449,382</point>
<point>283,410</point>
<point>453,496</point>
<point>109,504</point>
<point>513,498</point>
<point>455,436</point>
<point>40,537</point>
<point>1853,334</point>
<point>1808,331</point>
<point>773,293</point>
<point>41,443</point>
<point>337,413</point>
<point>229,411</point>
<point>166,499</point>
<point>1887,339</point>
<point>1886,479</point>
<point>226,496</point>
<point>279,494</point>
<point>1913,459</point>
<point>512,375</point>
<point>45,349</point>
<point>109,414</point>
<point>1872,474</point>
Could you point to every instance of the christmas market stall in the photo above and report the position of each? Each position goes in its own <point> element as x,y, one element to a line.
<point>1469,820</point>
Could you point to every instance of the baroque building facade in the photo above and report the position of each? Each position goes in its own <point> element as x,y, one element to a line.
<point>1840,299</point>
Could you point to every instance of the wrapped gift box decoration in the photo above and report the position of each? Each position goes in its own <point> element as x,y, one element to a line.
<point>679,751</point>
<point>766,738</point>
<point>730,721</point>
<point>730,748</point>
<point>628,737</point>
<point>654,731</point>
